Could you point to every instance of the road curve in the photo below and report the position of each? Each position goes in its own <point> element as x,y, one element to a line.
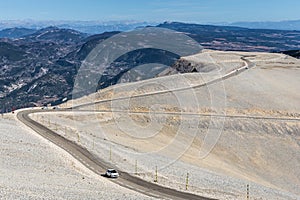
<point>98,165</point>
<point>230,74</point>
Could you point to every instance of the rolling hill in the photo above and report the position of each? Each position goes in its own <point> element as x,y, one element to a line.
<point>40,68</point>
<point>234,124</point>
<point>14,33</point>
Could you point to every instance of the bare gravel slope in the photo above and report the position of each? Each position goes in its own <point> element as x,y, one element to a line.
<point>254,117</point>
<point>32,168</point>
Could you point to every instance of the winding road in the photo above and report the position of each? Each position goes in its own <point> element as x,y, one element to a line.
<point>232,73</point>
<point>99,166</point>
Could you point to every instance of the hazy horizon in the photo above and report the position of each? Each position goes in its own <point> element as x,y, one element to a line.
<point>189,11</point>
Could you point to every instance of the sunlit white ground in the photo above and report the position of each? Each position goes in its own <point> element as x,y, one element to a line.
<point>32,168</point>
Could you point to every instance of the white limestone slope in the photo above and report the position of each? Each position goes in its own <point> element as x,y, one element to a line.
<point>259,143</point>
<point>32,168</point>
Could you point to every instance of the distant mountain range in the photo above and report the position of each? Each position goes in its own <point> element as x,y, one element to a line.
<point>96,27</point>
<point>16,32</point>
<point>38,67</point>
<point>90,27</point>
<point>282,25</point>
<point>237,38</point>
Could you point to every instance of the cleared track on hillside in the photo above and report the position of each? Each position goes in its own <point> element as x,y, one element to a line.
<point>233,73</point>
<point>192,114</point>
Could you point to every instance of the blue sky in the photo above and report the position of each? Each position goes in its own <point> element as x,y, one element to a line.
<point>151,10</point>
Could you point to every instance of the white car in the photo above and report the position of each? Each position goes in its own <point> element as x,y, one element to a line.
<point>112,173</point>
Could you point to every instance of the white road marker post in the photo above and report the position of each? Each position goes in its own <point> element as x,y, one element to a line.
<point>78,137</point>
<point>110,152</point>
<point>93,142</point>
<point>187,182</point>
<point>247,191</point>
<point>155,175</point>
<point>135,167</point>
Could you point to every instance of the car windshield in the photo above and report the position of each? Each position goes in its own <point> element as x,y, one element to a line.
<point>112,171</point>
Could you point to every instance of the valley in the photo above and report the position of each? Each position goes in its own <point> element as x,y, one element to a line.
<point>39,68</point>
